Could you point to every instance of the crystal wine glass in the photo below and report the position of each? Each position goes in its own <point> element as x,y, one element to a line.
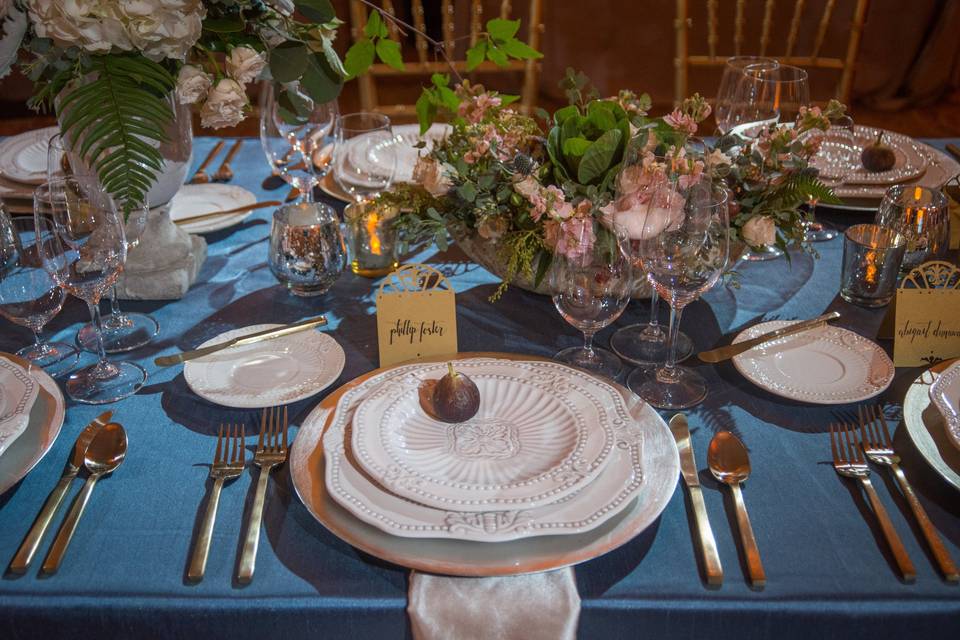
<point>85,256</point>
<point>684,255</point>
<point>836,159</point>
<point>365,158</point>
<point>298,143</point>
<point>122,331</point>
<point>724,112</point>
<point>28,295</point>
<point>591,287</point>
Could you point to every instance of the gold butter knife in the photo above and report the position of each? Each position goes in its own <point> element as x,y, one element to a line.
<point>226,212</point>
<point>269,334</point>
<point>725,353</point>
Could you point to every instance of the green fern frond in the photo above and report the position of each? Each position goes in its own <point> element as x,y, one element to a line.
<point>802,187</point>
<point>117,120</point>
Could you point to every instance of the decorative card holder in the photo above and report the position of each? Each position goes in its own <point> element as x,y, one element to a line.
<point>416,315</point>
<point>927,325</point>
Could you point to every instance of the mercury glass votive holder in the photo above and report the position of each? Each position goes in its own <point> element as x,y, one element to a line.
<point>871,263</point>
<point>307,253</point>
<point>922,216</point>
<point>372,239</point>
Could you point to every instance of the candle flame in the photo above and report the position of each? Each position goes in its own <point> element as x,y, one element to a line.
<point>372,220</point>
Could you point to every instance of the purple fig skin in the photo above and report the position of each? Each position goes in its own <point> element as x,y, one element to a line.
<point>456,397</point>
<point>878,156</point>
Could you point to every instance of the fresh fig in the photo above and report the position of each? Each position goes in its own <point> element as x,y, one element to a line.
<point>878,156</point>
<point>456,397</point>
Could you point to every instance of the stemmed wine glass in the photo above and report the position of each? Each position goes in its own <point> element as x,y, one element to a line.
<point>298,143</point>
<point>85,255</point>
<point>684,255</point>
<point>122,331</point>
<point>836,159</point>
<point>365,158</point>
<point>591,287</point>
<point>28,295</point>
<point>725,113</point>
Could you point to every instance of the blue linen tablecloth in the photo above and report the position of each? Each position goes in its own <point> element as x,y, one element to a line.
<point>829,572</point>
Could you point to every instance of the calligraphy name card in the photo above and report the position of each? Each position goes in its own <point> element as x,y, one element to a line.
<point>416,315</point>
<point>927,325</point>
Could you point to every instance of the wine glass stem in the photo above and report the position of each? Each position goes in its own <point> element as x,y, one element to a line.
<point>654,298</point>
<point>308,196</point>
<point>36,338</point>
<point>668,373</point>
<point>588,344</point>
<point>114,304</point>
<point>97,325</point>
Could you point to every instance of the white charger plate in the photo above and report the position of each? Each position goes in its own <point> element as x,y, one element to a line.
<point>467,558</point>
<point>264,374</point>
<point>46,419</point>
<point>543,431</point>
<point>18,391</point>
<point>197,199</point>
<point>826,365</point>
<point>23,157</point>
<point>945,396</point>
<point>926,427</point>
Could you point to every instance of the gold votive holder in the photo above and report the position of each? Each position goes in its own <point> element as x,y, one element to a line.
<point>372,239</point>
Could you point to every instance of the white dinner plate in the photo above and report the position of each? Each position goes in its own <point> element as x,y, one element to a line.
<point>926,427</point>
<point>197,199</point>
<point>46,419</point>
<point>945,396</point>
<point>543,431</point>
<point>264,374</point>
<point>23,157</point>
<point>586,509</point>
<point>910,160</point>
<point>18,391</point>
<point>466,558</point>
<point>10,190</point>
<point>826,365</point>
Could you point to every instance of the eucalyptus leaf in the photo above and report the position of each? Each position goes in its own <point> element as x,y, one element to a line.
<point>315,10</point>
<point>319,81</point>
<point>467,191</point>
<point>288,61</point>
<point>333,59</point>
<point>224,24</point>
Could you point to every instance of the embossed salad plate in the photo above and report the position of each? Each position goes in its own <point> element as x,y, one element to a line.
<point>945,396</point>
<point>543,431</point>
<point>23,158</point>
<point>926,426</point>
<point>18,391</point>
<point>827,365</point>
<point>267,373</point>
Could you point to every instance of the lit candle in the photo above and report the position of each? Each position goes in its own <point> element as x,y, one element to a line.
<point>372,221</point>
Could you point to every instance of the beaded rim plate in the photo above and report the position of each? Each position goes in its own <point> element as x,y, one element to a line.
<point>542,432</point>
<point>23,158</point>
<point>197,199</point>
<point>276,371</point>
<point>941,168</point>
<point>467,558</point>
<point>926,428</point>
<point>18,391</point>
<point>586,509</point>
<point>826,365</point>
<point>945,396</point>
<point>911,161</point>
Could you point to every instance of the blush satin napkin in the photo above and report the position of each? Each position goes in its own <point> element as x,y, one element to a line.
<point>539,606</point>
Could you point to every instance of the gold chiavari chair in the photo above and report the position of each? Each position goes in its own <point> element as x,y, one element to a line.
<point>788,55</point>
<point>424,65</point>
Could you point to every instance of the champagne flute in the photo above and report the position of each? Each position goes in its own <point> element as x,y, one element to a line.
<point>85,255</point>
<point>297,136</point>
<point>28,295</point>
<point>835,160</point>
<point>724,111</point>
<point>122,331</point>
<point>365,157</point>
<point>591,287</point>
<point>684,254</point>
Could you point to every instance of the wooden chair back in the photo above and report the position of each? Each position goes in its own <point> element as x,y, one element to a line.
<point>788,55</point>
<point>425,65</point>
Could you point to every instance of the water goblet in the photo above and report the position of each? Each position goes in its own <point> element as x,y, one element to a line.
<point>28,295</point>
<point>725,111</point>
<point>684,255</point>
<point>365,156</point>
<point>307,251</point>
<point>85,255</point>
<point>591,286</point>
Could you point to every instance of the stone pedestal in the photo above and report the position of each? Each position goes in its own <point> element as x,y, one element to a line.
<point>164,264</point>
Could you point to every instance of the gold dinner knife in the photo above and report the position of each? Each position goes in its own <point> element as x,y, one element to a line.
<point>227,212</point>
<point>688,469</point>
<point>269,334</point>
<point>21,561</point>
<point>725,353</point>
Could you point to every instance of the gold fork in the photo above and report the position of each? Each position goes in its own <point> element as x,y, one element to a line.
<point>848,460</point>
<point>201,177</point>
<point>879,449</point>
<point>271,452</point>
<point>228,463</point>
<point>225,172</point>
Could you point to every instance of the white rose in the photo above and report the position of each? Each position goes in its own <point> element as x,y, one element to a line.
<point>428,173</point>
<point>193,83</point>
<point>759,231</point>
<point>244,64</point>
<point>225,105</point>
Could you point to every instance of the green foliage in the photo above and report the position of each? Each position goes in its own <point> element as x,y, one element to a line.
<point>576,86</point>
<point>375,42</point>
<point>586,143</point>
<point>117,118</point>
<point>499,44</point>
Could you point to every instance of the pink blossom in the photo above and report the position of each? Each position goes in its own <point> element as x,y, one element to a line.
<point>575,238</point>
<point>681,121</point>
<point>687,180</point>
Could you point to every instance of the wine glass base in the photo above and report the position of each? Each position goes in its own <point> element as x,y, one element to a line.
<point>634,344</point>
<point>688,390</point>
<point>761,254</point>
<point>87,386</point>
<point>821,234</point>
<point>599,361</point>
<point>56,358</point>
<point>127,332</point>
